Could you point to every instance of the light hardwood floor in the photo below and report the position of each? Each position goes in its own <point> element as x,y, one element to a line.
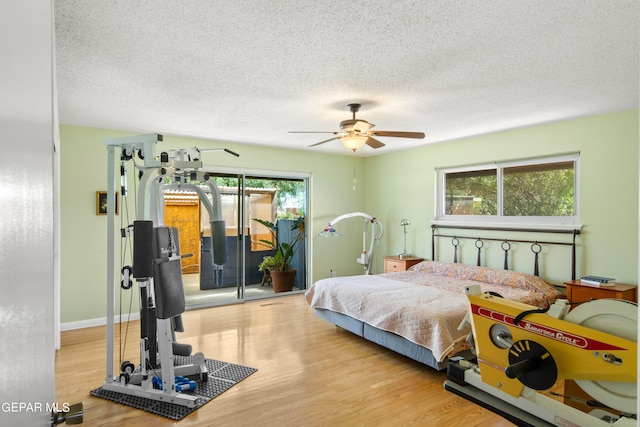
<point>310,373</point>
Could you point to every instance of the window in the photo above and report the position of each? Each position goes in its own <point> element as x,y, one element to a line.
<point>527,192</point>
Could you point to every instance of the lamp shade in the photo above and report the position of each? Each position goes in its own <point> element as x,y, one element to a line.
<point>404,222</point>
<point>354,142</point>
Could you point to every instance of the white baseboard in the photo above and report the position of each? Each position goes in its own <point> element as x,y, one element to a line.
<point>101,321</point>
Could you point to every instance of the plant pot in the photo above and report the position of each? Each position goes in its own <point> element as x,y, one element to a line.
<point>282,281</point>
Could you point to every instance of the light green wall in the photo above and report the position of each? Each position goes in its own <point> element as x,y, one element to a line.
<point>83,241</point>
<point>608,146</point>
<point>390,187</point>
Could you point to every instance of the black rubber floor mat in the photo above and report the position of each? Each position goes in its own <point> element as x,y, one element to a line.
<point>221,377</point>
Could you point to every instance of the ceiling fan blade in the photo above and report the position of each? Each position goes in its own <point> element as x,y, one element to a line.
<point>374,143</point>
<point>312,131</point>
<point>326,140</point>
<point>418,135</point>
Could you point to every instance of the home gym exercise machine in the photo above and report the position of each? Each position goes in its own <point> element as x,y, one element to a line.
<point>156,266</point>
<point>522,351</point>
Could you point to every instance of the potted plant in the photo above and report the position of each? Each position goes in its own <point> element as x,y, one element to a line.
<point>278,266</point>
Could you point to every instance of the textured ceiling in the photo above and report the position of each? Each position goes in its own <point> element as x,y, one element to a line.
<point>250,71</point>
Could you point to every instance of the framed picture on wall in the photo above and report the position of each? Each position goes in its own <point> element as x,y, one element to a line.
<point>101,202</point>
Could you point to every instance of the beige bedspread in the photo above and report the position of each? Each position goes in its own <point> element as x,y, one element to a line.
<point>424,307</point>
<point>423,315</point>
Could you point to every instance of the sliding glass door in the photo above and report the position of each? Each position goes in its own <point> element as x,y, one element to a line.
<point>238,200</point>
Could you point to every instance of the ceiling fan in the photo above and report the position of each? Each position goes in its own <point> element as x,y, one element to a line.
<point>355,133</point>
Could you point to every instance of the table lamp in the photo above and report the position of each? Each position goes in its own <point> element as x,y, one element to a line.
<point>404,224</point>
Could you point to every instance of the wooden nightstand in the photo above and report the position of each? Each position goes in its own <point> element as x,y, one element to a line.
<point>394,263</point>
<point>579,293</point>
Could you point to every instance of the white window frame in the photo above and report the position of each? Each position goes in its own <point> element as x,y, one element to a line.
<point>519,222</point>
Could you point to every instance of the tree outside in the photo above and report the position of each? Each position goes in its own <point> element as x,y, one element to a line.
<point>539,190</point>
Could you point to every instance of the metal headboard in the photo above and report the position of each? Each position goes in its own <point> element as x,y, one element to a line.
<point>536,247</point>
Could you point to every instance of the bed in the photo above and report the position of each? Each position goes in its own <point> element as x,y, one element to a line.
<point>417,312</point>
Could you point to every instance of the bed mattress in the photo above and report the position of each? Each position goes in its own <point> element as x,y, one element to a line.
<point>426,304</point>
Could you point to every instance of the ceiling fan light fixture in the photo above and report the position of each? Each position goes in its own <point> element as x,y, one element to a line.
<point>353,142</point>
<point>354,133</point>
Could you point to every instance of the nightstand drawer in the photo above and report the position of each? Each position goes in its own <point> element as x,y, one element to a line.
<point>395,263</point>
<point>580,294</point>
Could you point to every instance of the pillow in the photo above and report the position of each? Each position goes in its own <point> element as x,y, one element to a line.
<point>495,276</point>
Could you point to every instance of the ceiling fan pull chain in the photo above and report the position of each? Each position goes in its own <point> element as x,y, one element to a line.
<point>354,171</point>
